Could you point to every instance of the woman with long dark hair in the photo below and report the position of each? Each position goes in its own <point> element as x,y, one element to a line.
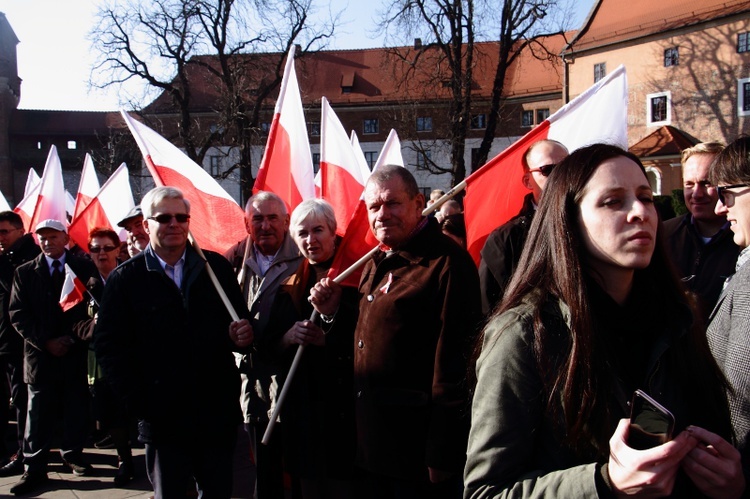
<point>594,313</point>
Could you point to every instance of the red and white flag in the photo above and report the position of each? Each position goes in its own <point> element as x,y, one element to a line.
<point>359,239</point>
<point>47,200</point>
<point>286,168</point>
<point>216,220</point>
<point>363,166</point>
<point>342,180</point>
<point>32,182</point>
<point>494,193</point>
<point>108,206</point>
<point>88,187</point>
<point>72,291</point>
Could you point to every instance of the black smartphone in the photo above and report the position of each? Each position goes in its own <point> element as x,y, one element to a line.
<point>651,424</point>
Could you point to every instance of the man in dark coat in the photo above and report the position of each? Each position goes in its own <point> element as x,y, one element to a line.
<point>503,247</point>
<point>418,315</point>
<point>54,358</point>
<point>16,248</point>
<point>164,343</point>
<point>700,242</point>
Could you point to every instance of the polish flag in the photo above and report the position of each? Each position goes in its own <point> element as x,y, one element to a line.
<point>50,201</point>
<point>216,221</point>
<point>70,203</point>
<point>110,204</point>
<point>359,239</point>
<point>88,187</point>
<point>72,291</point>
<point>363,166</point>
<point>25,208</point>
<point>342,179</point>
<point>32,181</point>
<point>286,168</point>
<point>494,193</point>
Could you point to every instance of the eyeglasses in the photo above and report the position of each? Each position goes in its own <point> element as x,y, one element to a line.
<point>727,197</point>
<point>5,232</point>
<point>545,170</point>
<point>99,249</point>
<point>165,218</point>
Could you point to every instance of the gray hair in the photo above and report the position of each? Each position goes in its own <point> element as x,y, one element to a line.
<point>262,196</point>
<point>159,194</point>
<point>315,208</point>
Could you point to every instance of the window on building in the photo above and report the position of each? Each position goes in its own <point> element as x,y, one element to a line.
<point>743,97</point>
<point>424,123</point>
<point>743,42</point>
<point>215,165</point>
<point>671,57</point>
<point>658,108</point>
<point>600,71</point>
<point>371,126</point>
<point>371,157</point>
<point>527,118</point>
<point>541,115</point>
<point>423,159</point>
<point>72,144</point>
<point>265,127</point>
<point>479,121</point>
<point>314,128</point>
<point>316,161</point>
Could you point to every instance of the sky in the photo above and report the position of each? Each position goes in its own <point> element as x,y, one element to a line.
<point>55,60</point>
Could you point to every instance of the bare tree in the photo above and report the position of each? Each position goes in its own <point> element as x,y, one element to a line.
<point>446,33</point>
<point>212,63</point>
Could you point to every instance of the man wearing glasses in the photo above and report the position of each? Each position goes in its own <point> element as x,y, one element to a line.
<point>700,242</point>
<point>161,340</point>
<point>503,247</point>
<point>16,248</point>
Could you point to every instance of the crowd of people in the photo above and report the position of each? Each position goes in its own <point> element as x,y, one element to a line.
<point>433,378</point>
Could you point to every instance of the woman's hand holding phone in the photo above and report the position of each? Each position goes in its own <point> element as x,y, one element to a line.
<point>645,473</point>
<point>714,465</point>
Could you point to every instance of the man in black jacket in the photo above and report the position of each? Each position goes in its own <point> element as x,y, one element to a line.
<point>16,248</point>
<point>54,358</point>
<point>503,247</point>
<point>164,340</point>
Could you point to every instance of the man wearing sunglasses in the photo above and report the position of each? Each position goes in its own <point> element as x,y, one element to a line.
<point>161,340</point>
<point>503,247</point>
<point>700,242</point>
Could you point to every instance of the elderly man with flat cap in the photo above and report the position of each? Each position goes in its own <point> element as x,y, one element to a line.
<point>54,358</point>
<point>133,225</point>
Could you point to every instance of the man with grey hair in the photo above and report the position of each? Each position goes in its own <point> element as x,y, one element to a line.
<point>418,313</point>
<point>269,260</point>
<point>700,242</point>
<point>161,340</point>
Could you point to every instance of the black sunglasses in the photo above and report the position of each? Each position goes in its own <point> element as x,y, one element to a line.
<point>98,249</point>
<point>165,218</point>
<point>727,197</point>
<point>545,170</point>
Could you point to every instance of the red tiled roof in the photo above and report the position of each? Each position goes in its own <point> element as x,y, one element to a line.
<point>612,21</point>
<point>372,75</point>
<point>664,141</point>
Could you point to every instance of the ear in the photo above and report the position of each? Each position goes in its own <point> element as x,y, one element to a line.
<point>145,226</point>
<point>526,180</point>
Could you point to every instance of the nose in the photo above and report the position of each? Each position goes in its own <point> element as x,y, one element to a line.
<point>720,208</point>
<point>639,211</point>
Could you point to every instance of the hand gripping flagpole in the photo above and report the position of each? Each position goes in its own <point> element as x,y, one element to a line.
<point>346,273</point>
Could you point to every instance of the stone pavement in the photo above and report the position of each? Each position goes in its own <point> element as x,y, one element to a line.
<point>63,484</point>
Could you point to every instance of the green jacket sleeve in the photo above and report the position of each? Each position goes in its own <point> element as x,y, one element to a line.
<point>507,443</point>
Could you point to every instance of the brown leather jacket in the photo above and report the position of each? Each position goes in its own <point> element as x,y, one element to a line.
<point>411,348</point>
